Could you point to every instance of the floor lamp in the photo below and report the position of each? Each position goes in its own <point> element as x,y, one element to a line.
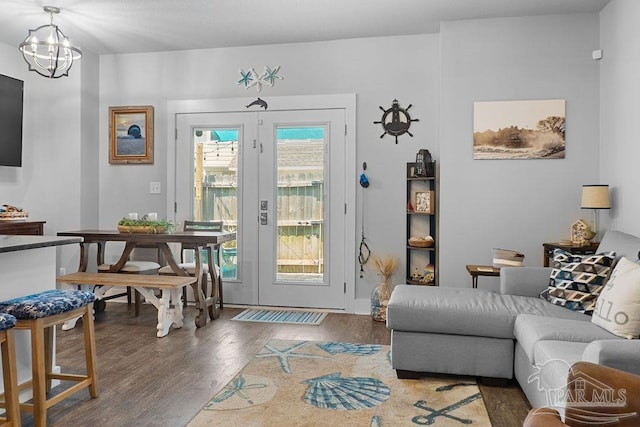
<point>595,197</point>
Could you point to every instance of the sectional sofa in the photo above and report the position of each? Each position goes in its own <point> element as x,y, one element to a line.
<point>501,335</point>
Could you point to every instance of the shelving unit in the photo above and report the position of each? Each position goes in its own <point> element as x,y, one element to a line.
<point>421,224</point>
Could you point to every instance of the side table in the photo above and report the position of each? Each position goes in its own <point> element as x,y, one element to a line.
<point>481,270</point>
<point>575,250</point>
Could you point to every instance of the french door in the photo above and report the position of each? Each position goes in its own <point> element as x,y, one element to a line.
<point>278,179</point>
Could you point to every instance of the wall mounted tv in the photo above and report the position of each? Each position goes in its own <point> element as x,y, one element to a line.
<point>11,99</point>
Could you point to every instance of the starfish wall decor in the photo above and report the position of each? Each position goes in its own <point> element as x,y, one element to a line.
<point>251,78</point>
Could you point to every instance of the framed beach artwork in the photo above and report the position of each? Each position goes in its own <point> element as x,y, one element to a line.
<point>131,135</point>
<point>519,129</point>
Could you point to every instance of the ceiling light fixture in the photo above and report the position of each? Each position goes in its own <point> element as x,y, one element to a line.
<point>48,51</point>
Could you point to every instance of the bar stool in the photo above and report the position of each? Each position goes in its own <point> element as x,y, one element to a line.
<point>9,372</point>
<point>39,313</point>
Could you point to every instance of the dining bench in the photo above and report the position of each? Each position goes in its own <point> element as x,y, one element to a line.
<point>169,304</point>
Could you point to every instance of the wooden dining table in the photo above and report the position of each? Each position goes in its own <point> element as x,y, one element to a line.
<point>211,240</point>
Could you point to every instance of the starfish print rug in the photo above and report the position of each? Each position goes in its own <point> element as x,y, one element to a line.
<point>310,383</point>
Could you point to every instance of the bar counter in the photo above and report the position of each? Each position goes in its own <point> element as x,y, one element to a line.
<point>12,243</point>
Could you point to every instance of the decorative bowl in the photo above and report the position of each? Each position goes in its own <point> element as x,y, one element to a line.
<point>419,242</point>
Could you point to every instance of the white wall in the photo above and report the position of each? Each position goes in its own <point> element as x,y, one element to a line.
<point>90,144</point>
<point>619,112</point>
<point>377,70</point>
<point>516,204</point>
<point>11,178</point>
<point>49,181</point>
<point>484,204</point>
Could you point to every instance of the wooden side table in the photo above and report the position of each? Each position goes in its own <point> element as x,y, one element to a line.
<point>22,227</point>
<point>576,250</point>
<point>481,270</point>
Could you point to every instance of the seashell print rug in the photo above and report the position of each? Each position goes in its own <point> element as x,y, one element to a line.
<point>310,383</point>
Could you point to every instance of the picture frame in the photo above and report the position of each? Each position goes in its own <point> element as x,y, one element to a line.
<point>131,135</point>
<point>423,202</point>
<point>519,129</point>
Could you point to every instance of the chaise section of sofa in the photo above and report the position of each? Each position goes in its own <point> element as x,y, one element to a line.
<point>458,331</point>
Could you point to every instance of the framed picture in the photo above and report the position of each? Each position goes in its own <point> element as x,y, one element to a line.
<point>423,202</point>
<point>528,129</point>
<point>131,135</point>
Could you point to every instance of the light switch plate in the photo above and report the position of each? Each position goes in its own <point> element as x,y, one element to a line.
<point>155,188</point>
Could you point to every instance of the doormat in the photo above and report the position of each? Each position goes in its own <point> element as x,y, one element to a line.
<point>311,383</point>
<point>281,316</point>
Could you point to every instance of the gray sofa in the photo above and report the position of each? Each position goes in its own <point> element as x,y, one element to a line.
<point>499,335</point>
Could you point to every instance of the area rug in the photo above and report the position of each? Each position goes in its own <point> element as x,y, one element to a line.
<point>281,316</point>
<point>310,383</point>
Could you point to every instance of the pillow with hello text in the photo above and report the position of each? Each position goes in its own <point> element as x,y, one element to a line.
<point>618,306</point>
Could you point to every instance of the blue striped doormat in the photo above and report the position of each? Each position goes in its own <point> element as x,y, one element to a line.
<point>281,316</point>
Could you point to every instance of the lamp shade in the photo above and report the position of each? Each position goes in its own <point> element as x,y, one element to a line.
<point>595,197</point>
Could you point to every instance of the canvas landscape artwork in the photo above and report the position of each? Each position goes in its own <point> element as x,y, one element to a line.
<point>532,129</point>
<point>130,134</point>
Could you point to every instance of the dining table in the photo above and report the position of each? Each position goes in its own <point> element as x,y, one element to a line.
<point>200,241</point>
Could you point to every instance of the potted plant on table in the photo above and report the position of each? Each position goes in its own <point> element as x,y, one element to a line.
<point>145,225</point>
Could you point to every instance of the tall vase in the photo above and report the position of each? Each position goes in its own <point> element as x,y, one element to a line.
<point>379,301</point>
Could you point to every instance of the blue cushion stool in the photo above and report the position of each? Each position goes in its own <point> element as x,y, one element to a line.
<point>11,403</point>
<point>39,313</point>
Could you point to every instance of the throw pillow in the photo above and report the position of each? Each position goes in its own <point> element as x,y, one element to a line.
<point>576,280</point>
<point>618,306</point>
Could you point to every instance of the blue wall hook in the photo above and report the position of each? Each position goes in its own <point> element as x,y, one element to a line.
<point>364,181</point>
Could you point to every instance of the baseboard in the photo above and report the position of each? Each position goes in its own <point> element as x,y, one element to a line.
<point>362,306</point>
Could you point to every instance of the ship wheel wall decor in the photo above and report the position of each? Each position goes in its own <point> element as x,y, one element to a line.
<point>396,120</point>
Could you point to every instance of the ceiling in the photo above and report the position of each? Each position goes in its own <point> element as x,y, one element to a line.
<point>130,26</point>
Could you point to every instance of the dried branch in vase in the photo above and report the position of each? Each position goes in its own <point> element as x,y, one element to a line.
<point>385,265</point>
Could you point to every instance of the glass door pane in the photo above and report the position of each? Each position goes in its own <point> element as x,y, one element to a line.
<point>300,159</point>
<point>216,186</point>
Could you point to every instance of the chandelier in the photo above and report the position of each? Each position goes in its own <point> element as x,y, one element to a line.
<point>48,51</point>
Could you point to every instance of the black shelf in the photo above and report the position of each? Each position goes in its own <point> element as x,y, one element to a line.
<point>418,224</point>
<point>417,248</point>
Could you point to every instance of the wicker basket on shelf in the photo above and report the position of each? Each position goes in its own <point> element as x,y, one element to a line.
<point>419,242</point>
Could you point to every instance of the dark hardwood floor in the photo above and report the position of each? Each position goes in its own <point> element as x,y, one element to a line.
<point>149,381</point>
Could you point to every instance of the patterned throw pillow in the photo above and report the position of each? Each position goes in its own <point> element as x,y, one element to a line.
<point>576,280</point>
<point>618,307</point>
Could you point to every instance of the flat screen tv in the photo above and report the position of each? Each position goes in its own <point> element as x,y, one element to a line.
<point>11,99</point>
